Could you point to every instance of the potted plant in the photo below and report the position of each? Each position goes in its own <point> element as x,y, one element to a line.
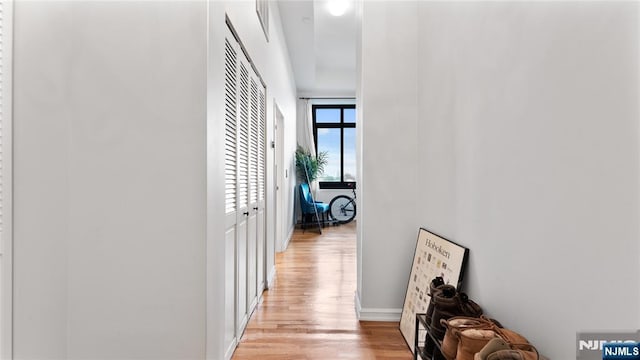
<point>309,167</point>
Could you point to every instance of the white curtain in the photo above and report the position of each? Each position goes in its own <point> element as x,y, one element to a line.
<point>305,137</point>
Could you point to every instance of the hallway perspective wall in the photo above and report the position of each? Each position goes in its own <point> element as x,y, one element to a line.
<point>387,124</point>
<point>527,150</point>
<point>118,109</point>
<point>271,61</point>
<point>110,211</point>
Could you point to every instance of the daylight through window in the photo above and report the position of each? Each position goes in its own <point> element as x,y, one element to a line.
<point>334,128</point>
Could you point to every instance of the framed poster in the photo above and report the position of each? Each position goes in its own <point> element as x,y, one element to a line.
<point>434,256</point>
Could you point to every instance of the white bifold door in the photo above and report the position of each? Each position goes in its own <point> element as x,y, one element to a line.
<point>245,137</point>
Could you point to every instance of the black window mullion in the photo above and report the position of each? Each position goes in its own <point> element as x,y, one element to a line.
<point>315,128</point>
<point>342,145</point>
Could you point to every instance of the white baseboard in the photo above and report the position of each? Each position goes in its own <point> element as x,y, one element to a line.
<point>232,347</point>
<point>376,314</point>
<point>288,238</point>
<point>271,277</point>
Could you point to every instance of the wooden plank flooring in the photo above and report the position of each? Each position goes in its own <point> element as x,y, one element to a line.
<point>310,313</point>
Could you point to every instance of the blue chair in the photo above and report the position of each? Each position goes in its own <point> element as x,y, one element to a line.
<point>310,207</point>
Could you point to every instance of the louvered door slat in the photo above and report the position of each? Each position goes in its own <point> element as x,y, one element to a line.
<point>230,154</point>
<point>243,138</point>
<point>254,141</point>
<point>262,143</point>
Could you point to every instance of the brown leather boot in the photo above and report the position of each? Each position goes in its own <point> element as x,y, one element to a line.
<point>456,324</point>
<point>512,337</point>
<point>517,352</point>
<point>447,306</point>
<point>500,349</point>
<point>471,341</point>
<point>492,346</point>
<point>434,287</point>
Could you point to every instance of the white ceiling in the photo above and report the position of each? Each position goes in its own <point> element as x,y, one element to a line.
<point>322,47</point>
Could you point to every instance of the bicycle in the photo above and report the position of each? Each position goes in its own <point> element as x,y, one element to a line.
<point>342,208</point>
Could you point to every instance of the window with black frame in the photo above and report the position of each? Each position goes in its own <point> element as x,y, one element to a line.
<point>334,130</point>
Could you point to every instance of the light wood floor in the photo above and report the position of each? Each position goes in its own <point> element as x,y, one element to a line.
<point>309,312</point>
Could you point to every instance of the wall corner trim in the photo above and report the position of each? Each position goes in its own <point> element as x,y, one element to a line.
<point>285,244</point>
<point>376,314</point>
<point>271,277</point>
<point>230,350</point>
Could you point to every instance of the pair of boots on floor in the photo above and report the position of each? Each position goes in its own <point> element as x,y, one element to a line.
<point>466,334</point>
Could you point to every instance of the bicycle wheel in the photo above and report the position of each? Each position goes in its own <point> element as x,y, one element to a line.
<point>342,208</point>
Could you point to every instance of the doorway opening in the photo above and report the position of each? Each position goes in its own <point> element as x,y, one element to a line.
<point>281,240</point>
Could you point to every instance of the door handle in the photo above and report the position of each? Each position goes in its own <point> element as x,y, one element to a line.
<point>255,208</point>
<point>246,213</point>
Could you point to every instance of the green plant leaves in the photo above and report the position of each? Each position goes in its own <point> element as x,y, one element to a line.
<point>309,167</point>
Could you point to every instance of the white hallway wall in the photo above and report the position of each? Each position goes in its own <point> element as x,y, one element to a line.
<point>116,157</point>
<point>519,139</point>
<point>110,207</point>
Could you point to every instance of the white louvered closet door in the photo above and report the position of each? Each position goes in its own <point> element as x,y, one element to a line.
<point>252,225</point>
<point>242,306</point>
<point>231,187</point>
<point>6,233</point>
<point>261,178</point>
<point>245,137</point>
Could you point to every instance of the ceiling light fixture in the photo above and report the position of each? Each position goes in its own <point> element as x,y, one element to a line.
<point>338,7</point>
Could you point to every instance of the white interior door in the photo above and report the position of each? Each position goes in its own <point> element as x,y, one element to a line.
<point>252,246</point>
<point>243,213</point>
<point>231,189</point>
<point>261,216</point>
<point>279,181</point>
<point>278,217</point>
<point>256,218</point>
<point>245,137</point>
